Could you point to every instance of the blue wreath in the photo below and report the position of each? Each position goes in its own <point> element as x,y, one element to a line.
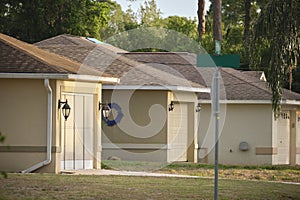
<point>119,115</point>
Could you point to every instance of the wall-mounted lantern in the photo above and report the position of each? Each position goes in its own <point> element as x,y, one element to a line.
<point>198,107</point>
<point>65,109</point>
<point>106,110</point>
<point>171,106</point>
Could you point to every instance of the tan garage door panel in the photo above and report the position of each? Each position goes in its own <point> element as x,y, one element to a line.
<point>283,138</point>
<point>77,133</point>
<point>178,133</point>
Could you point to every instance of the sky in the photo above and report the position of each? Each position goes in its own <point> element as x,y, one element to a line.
<point>183,8</point>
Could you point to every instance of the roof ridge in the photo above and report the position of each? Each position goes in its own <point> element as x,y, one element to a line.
<point>67,37</point>
<point>162,52</point>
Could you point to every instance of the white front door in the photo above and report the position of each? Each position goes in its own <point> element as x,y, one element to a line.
<point>283,138</point>
<point>78,133</point>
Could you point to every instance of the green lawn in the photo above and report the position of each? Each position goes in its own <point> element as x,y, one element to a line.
<point>266,173</point>
<point>50,186</point>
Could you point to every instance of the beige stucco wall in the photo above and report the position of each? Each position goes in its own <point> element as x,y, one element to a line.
<point>23,120</point>
<point>251,123</point>
<point>142,134</point>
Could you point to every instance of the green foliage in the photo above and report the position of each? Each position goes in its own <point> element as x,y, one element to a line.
<point>2,138</point>
<point>119,21</point>
<point>34,20</point>
<point>275,43</point>
<point>182,25</point>
<point>149,15</point>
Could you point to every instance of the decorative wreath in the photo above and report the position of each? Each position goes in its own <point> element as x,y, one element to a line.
<point>119,115</point>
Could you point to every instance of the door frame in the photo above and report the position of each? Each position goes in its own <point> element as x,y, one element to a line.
<point>95,127</point>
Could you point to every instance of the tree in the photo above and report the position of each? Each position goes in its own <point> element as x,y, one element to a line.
<point>276,40</point>
<point>34,20</point>
<point>119,21</point>
<point>247,20</point>
<point>149,14</point>
<point>201,18</point>
<point>182,25</point>
<point>237,20</point>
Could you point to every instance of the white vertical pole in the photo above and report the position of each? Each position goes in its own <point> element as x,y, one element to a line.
<point>216,106</point>
<point>217,8</point>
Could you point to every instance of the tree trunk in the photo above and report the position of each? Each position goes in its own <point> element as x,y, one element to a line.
<point>247,19</point>
<point>217,5</point>
<point>201,18</point>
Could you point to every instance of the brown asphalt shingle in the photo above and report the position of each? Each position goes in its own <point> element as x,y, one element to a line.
<point>235,85</point>
<point>20,57</point>
<point>105,58</point>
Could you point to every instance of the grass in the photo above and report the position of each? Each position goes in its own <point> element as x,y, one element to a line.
<point>267,173</point>
<point>236,182</point>
<point>51,186</point>
<point>132,165</point>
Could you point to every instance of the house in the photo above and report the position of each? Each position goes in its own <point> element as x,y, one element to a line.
<point>250,135</point>
<point>154,114</point>
<point>49,110</point>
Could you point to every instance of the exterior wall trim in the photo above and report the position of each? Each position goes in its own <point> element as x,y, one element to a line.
<point>135,146</point>
<point>26,149</point>
<point>154,87</point>
<point>77,77</point>
<point>283,102</point>
<point>238,101</point>
<point>266,151</point>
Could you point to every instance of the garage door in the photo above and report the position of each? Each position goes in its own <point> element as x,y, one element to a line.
<point>283,138</point>
<point>178,133</point>
<point>78,133</point>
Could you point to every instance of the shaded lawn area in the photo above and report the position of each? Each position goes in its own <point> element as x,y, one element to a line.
<point>266,173</point>
<point>51,186</point>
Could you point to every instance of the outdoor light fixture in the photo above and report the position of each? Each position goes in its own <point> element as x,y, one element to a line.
<point>65,109</point>
<point>198,107</point>
<point>106,110</point>
<point>171,106</point>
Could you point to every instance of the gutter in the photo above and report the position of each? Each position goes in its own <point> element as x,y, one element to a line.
<point>49,132</point>
<point>75,77</point>
<point>156,87</point>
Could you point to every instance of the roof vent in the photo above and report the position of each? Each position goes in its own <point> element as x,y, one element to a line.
<point>94,40</point>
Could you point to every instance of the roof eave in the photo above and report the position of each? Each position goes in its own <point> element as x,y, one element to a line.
<point>290,102</point>
<point>76,77</point>
<point>283,102</point>
<point>237,101</point>
<point>156,87</point>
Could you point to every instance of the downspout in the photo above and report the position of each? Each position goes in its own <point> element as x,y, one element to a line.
<point>49,131</point>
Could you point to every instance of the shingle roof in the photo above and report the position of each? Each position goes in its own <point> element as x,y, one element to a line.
<point>235,85</point>
<point>105,58</point>
<point>20,57</point>
<point>258,74</point>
